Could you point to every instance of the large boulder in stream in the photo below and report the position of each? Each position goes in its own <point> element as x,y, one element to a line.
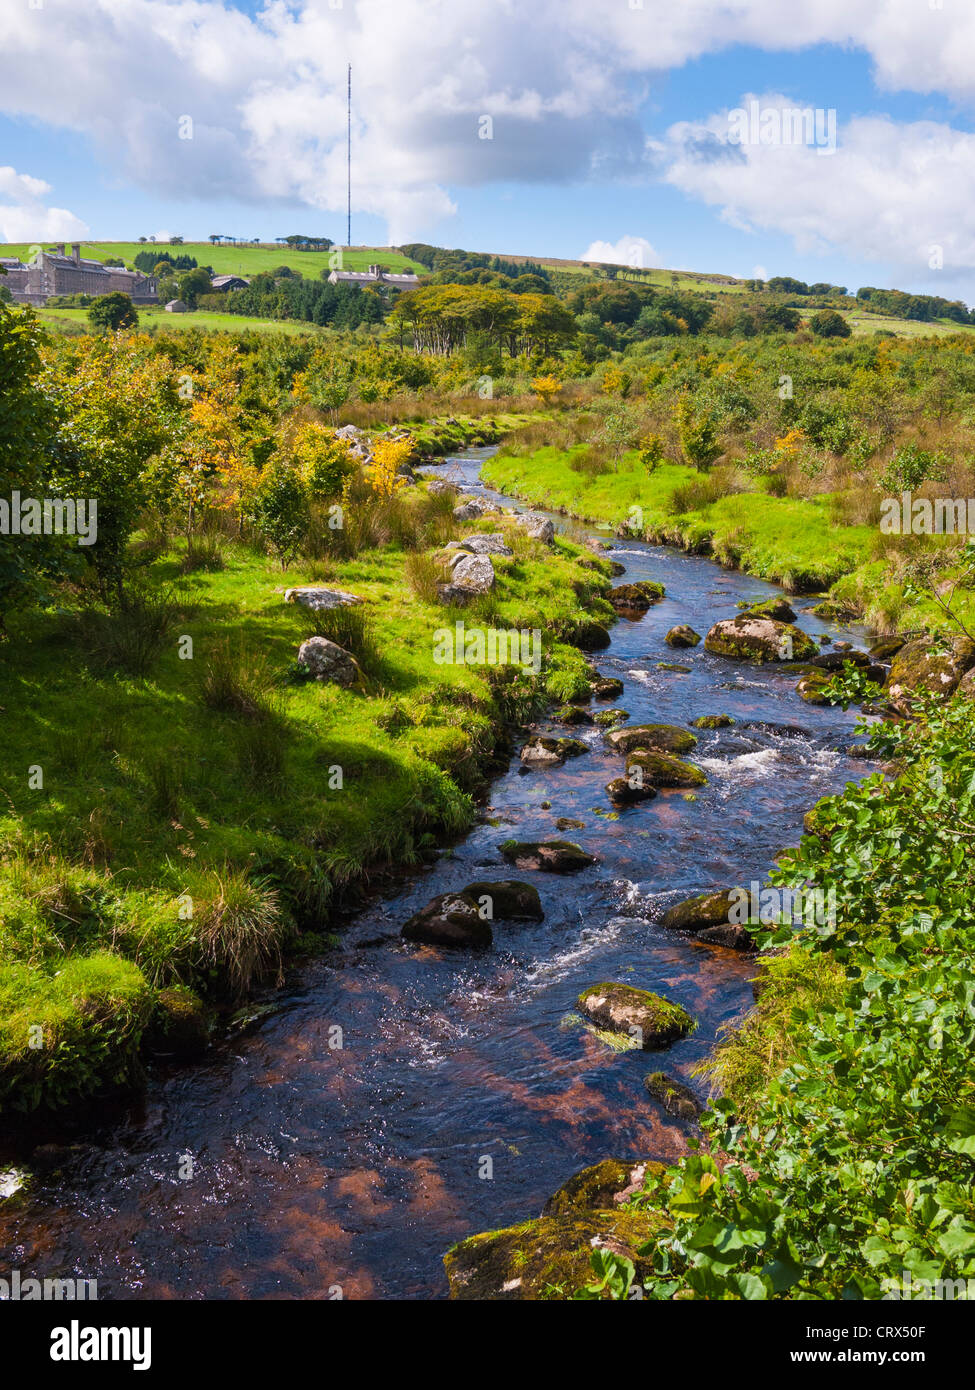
<point>507,900</point>
<point>550,856</point>
<point>607,687</point>
<point>778,608</point>
<point>589,636</point>
<point>661,738</point>
<point>928,665</point>
<point>451,919</point>
<point>548,1258</point>
<point>749,638</point>
<point>644,768</point>
<point>648,1019</point>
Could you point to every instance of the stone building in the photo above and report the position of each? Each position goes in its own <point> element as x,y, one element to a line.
<point>375,275</point>
<point>53,273</point>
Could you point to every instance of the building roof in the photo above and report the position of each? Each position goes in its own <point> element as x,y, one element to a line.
<point>219,281</point>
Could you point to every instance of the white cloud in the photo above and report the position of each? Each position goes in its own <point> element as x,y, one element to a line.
<point>891,192</point>
<point>629,250</point>
<point>562,81</point>
<point>24,216</point>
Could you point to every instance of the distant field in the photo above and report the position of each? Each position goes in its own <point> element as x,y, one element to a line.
<point>239,260</point>
<point>864,324</point>
<point>200,318</point>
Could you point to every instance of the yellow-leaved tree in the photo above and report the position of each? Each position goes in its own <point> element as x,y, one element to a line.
<point>388,456</point>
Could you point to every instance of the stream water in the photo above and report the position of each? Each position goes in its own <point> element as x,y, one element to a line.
<point>316,1168</point>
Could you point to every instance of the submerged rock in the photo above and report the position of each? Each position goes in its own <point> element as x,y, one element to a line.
<point>550,1257</point>
<point>450,919</point>
<point>676,1098</point>
<point>647,1018</point>
<point>601,1187</point>
<point>748,638</point>
<point>682,636</point>
<point>508,899</point>
<point>551,856</point>
<point>660,738</point>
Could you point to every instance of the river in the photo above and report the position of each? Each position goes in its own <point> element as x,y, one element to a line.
<point>317,1169</point>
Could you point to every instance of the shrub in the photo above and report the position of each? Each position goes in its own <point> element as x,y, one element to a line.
<point>241,930</point>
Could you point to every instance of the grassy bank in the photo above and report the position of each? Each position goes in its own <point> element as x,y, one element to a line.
<point>181,809</point>
<point>842,1145</point>
<point>793,542</point>
<point>804,544</point>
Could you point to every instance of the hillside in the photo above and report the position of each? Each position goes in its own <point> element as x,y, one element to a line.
<point>240,260</point>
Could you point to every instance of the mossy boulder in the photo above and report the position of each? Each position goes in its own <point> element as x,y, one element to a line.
<point>661,770</point>
<point>692,914</point>
<point>676,1098</point>
<point>548,752</point>
<point>607,687</point>
<point>589,635</point>
<point>657,738</point>
<point>682,636</point>
<point>450,919</point>
<point>506,899</point>
<point>569,823</point>
<point>550,856</point>
<point>601,1187</point>
<point>573,714</point>
<point>837,660</point>
<point>731,935</point>
<point>549,1258</point>
<point>750,638</point>
<point>886,648</point>
<point>624,793</point>
<point>928,665</point>
<point>714,721</point>
<point>777,607</point>
<point>180,1025</point>
<point>606,718</point>
<point>812,687</point>
<point>673,666</point>
<point>635,598</point>
<point>648,1018</point>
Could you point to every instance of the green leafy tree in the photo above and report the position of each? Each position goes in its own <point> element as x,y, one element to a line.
<point>279,510</point>
<point>828,323</point>
<point>113,311</point>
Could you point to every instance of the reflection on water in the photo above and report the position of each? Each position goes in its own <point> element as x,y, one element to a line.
<point>315,1168</point>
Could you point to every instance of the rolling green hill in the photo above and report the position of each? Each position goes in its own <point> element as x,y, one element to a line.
<point>241,260</point>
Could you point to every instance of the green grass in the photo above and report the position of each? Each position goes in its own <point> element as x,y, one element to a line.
<point>150,319</point>
<point>156,795</point>
<point>238,260</point>
<point>786,540</point>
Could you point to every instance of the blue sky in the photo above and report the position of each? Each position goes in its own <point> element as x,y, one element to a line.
<point>608,123</point>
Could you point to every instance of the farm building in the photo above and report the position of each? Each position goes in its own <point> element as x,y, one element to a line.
<point>375,275</point>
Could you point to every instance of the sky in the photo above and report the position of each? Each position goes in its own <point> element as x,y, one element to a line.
<point>830,141</point>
